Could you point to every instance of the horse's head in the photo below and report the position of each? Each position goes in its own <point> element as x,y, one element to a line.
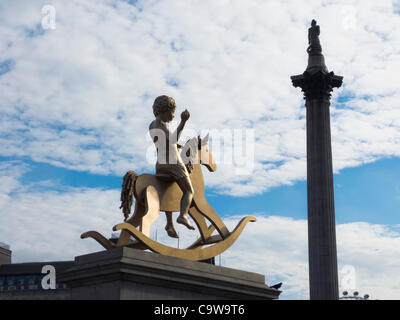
<point>205,155</point>
<point>197,151</point>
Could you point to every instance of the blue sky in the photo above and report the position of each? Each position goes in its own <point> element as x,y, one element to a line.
<point>369,193</point>
<point>76,101</point>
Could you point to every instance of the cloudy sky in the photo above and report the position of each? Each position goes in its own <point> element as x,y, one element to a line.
<point>75,104</point>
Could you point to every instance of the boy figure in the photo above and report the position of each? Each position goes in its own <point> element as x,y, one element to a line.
<point>169,160</point>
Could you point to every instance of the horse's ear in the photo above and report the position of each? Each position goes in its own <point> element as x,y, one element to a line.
<point>205,139</point>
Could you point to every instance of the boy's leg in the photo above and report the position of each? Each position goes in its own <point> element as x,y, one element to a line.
<point>187,189</point>
<point>170,226</point>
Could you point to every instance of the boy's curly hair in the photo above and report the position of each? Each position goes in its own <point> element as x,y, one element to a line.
<point>162,104</point>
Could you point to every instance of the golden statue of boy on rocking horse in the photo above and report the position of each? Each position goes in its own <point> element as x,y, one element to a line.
<point>177,186</point>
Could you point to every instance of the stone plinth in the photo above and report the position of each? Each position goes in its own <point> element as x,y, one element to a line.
<point>125,273</point>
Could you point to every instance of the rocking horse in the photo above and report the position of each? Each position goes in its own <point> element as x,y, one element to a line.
<point>155,193</point>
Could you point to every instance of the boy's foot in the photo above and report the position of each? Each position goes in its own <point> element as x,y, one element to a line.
<point>171,231</point>
<point>185,221</point>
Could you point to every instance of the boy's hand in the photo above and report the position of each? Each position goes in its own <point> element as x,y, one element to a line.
<point>185,115</point>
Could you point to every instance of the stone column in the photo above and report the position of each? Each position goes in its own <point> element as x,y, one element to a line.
<point>317,84</point>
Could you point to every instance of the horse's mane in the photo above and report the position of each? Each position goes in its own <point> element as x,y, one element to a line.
<point>127,192</point>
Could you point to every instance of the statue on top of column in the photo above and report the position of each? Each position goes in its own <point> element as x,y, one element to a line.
<point>313,39</point>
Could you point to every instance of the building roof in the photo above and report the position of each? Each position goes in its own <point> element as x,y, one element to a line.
<point>4,246</point>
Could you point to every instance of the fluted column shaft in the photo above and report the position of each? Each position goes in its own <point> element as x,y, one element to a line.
<point>323,271</point>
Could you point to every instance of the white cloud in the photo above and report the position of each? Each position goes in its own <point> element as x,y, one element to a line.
<point>80,96</point>
<point>373,250</point>
<point>9,174</point>
<point>47,225</point>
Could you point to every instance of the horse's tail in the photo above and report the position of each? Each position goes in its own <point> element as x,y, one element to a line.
<point>127,192</point>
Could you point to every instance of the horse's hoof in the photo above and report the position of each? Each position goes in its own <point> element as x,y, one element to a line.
<point>185,221</point>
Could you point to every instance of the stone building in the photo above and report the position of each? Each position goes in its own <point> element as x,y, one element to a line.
<point>24,280</point>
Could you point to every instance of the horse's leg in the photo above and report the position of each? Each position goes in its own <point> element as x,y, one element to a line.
<point>170,225</point>
<point>135,220</point>
<point>207,211</point>
<point>201,223</point>
<point>144,214</point>
<point>138,214</point>
<point>153,210</point>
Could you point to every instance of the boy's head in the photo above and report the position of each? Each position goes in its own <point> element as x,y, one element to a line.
<point>163,104</point>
